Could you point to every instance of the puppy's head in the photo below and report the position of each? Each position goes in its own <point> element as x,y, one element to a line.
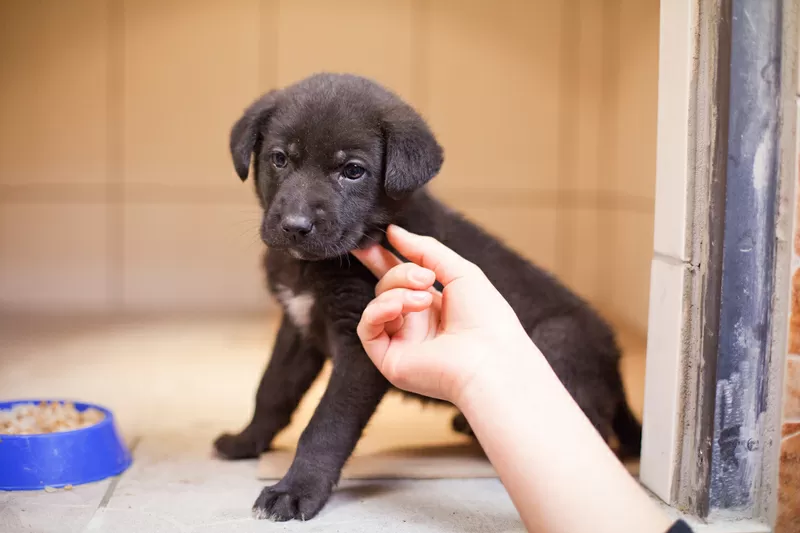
<point>334,156</point>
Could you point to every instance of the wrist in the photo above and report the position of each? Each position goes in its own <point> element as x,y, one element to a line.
<point>505,373</point>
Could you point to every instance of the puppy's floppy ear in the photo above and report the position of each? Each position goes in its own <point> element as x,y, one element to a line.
<point>413,157</point>
<point>245,133</point>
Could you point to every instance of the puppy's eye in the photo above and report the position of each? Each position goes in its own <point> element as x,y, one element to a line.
<point>352,171</point>
<point>278,159</point>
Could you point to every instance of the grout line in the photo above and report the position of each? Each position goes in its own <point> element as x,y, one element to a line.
<point>790,435</point>
<point>795,260</point>
<point>160,193</point>
<point>112,487</point>
<point>109,492</point>
<point>670,260</point>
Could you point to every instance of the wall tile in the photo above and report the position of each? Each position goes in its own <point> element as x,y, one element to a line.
<point>493,92</point>
<point>790,428</point>
<point>632,249</point>
<point>797,169</point>
<point>794,317</point>
<point>53,59</point>
<point>591,127</point>
<point>373,39</point>
<point>663,376</point>
<point>191,67</point>
<point>529,230</point>
<point>233,192</point>
<point>798,58</point>
<point>487,75</point>
<point>676,47</point>
<point>581,251</point>
<point>637,98</point>
<point>789,487</point>
<point>791,399</point>
<point>184,257</point>
<point>53,257</point>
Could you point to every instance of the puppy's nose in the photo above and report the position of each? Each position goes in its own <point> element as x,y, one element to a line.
<point>297,225</point>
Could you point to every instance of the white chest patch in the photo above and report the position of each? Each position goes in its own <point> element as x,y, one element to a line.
<point>297,306</point>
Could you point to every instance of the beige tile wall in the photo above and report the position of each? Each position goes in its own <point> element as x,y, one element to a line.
<point>116,191</point>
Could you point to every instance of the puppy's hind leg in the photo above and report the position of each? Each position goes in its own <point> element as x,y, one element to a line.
<point>292,369</point>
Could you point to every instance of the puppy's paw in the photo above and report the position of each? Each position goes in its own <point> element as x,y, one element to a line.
<point>291,501</point>
<point>242,446</point>
<point>461,425</point>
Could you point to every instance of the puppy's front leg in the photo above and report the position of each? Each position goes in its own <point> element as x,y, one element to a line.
<point>292,369</point>
<point>354,391</point>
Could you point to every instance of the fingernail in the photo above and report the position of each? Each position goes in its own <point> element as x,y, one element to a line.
<point>400,230</point>
<point>419,296</point>
<point>420,276</point>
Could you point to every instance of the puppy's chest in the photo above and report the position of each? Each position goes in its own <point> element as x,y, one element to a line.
<point>316,295</point>
<point>298,305</point>
<point>301,292</point>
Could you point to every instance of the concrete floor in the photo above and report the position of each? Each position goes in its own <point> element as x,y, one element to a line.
<point>174,385</point>
<point>170,490</point>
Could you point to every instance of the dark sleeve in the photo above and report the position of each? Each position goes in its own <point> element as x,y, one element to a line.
<point>680,527</point>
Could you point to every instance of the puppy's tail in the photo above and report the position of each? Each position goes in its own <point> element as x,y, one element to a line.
<point>628,431</point>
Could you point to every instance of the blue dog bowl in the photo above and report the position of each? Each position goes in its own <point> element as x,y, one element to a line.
<point>33,462</point>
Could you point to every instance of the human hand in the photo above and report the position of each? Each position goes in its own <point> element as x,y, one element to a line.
<point>434,343</point>
<point>467,346</point>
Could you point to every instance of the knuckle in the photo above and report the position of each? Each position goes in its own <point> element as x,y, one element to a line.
<point>370,313</point>
<point>391,296</point>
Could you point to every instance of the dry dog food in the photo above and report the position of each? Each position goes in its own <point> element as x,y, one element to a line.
<point>44,417</point>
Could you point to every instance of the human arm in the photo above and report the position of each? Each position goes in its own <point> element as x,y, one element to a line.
<point>465,345</point>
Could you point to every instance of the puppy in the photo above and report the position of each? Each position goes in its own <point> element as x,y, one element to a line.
<point>336,158</point>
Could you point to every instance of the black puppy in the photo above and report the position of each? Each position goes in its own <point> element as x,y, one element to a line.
<point>336,158</point>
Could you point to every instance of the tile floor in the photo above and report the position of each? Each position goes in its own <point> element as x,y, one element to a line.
<point>173,385</point>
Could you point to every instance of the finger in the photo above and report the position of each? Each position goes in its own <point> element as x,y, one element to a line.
<point>410,300</point>
<point>431,254</point>
<point>407,276</point>
<point>371,329</point>
<point>377,259</point>
<point>388,307</point>
<point>394,326</point>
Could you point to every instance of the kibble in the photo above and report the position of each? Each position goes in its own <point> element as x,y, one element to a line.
<point>46,417</point>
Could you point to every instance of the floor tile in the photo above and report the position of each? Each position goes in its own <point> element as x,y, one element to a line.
<point>42,512</point>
